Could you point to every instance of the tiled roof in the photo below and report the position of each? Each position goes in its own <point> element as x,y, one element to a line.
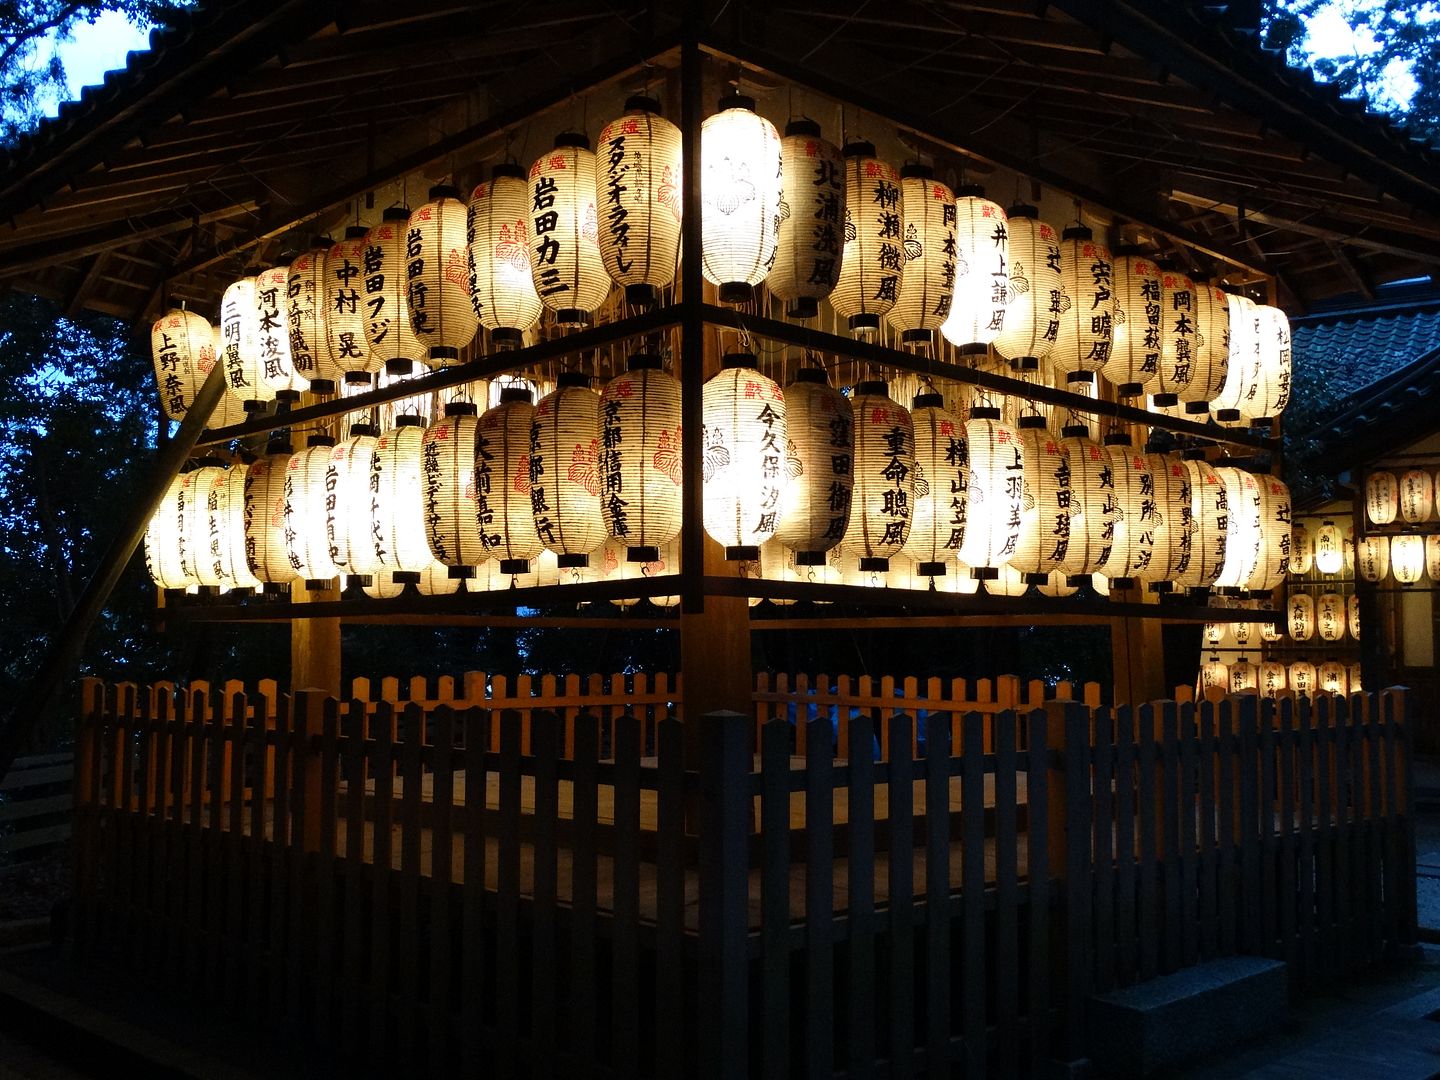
<point>1344,355</point>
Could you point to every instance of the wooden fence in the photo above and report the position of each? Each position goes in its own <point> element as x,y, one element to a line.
<point>465,887</point>
<point>35,802</point>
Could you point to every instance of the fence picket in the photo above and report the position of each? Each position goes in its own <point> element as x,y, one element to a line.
<point>1168,808</point>
<point>901,836</point>
<point>937,894</point>
<point>1037,873</point>
<point>382,769</point>
<point>1186,809</point>
<point>775,896</point>
<point>1285,802</point>
<point>1208,915</point>
<point>474,957</point>
<point>354,755</point>
<point>507,895</point>
<point>819,900</point>
<point>543,1011</point>
<point>1149,939</point>
<point>670,872</point>
<point>1344,909</point>
<point>860,915</point>
<point>1103,904</point>
<point>1126,785</point>
<point>625,944</point>
<point>583,985</point>
<point>442,853</point>
<point>1007,897</point>
<point>1268,840</point>
<point>972,883</point>
<point>327,915</point>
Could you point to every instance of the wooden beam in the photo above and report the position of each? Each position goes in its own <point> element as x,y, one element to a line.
<point>1036,32</point>
<point>1352,269</point>
<point>76,299</point>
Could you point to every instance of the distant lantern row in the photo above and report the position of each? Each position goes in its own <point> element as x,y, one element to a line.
<point>1405,558</point>
<point>1408,497</point>
<point>1271,678</point>
<point>795,213</point>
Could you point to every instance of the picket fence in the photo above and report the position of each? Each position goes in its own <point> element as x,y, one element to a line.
<point>441,885</point>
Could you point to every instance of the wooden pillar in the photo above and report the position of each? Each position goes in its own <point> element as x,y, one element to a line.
<point>1137,655</point>
<point>314,645</point>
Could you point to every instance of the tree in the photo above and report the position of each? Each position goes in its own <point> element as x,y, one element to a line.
<point>1394,42</point>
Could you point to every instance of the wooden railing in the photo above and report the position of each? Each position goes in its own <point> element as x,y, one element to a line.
<point>803,904</point>
<point>35,802</point>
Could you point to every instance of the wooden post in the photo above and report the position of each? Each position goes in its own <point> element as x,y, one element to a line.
<point>308,718</point>
<point>314,645</point>
<point>1137,655</point>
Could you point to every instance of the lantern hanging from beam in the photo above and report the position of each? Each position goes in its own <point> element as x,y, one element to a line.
<point>745,464</point>
<point>811,231</point>
<point>265,518</point>
<point>272,335</point>
<point>1134,365</point>
<point>348,522</point>
<point>344,330</point>
<point>1035,300</point>
<point>305,318</point>
<point>1244,536</point>
<point>1173,521</point>
<point>740,198</point>
<point>1432,558</point>
<point>1271,633</point>
<point>437,580</point>
<point>307,544</point>
<point>1302,677</point>
<point>195,548</point>
<point>1417,496</point>
<point>1332,677</point>
<point>942,478</point>
<point>452,522</point>
<point>1009,582</point>
<point>883,496</point>
<point>437,277</point>
<point>502,292</point>
<point>1382,497</point>
<point>1213,634</point>
<point>1407,559</point>
<point>1349,549</point>
<point>1244,676</point>
<point>1242,632</point>
<point>1211,348</point>
<point>874,253</point>
<point>1210,514</point>
<point>640,468</point>
<point>565,262</point>
<point>1302,552</point>
<point>397,501</point>
<point>502,482</point>
<point>1138,513</point>
<point>1352,615</point>
<point>1214,676</point>
<point>1179,334</point>
<point>239,333</point>
<point>384,262</point>
<point>1352,676</point>
<point>165,541</point>
<point>1093,506</point>
<point>996,494</point>
<point>1242,373</point>
<point>1056,584</point>
<point>1330,617</point>
<point>982,272</point>
<point>928,281</point>
<point>637,190</point>
<point>1372,557</point>
<point>1300,616</point>
<point>1045,513</point>
<point>815,505</point>
<point>1272,678</point>
<point>1087,316</point>
<point>565,492</point>
<point>1275,362</point>
<point>383,584</point>
<point>182,346</point>
<point>1275,521</point>
<point>1329,548</point>
<point>225,527</point>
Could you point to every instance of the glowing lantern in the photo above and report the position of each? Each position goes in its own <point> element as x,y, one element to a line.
<point>386,585</point>
<point>1214,676</point>
<point>1353,679</point>
<point>1242,373</point>
<point>1093,504</point>
<point>182,345</point>
<point>1056,584</point>
<point>565,262</point>
<point>397,501</point>
<point>640,475</point>
<point>265,517</point>
<point>1300,616</point>
<point>1432,558</point>
<point>1302,677</point>
<point>1173,521</point>
<point>1349,549</point>
<point>1275,518</point>
<point>1417,496</point>
<point>612,563</point>
<point>815,505</point>
<point>1213,634</point>
<point>874,254</point>
<point>388,332</point>
<point>1407,559</point>
<point>240,352</point>
<point>883,497</point>
<point>1242,632</point>
<point>745,466</point>
<point>165,554</point>
<point>1134,537</point>
<point>1272,678</point>
<point>1382,497</point>
<point>1087,316</point>
<point>344,332</point>
<point>502,292</point>
<point>1243,676</point>
<point>929,256</point>
<point>982,272</point>
<point>306,543</point>
<point>437,277</point>
<point>1211,348</point>
<point>437,580</point>
<point>225,528</point>
<point>942,478</point>
<point>1330,617</point>
<point>1134,365</point>
<point>996,494</point>
<point>740,198</point>
<point>811,231</point>
<point>1332,677</point>
<point>1275,362</point>
<point>1032,314</point>
<point>452,522</point>
<point>1271,633</point>
<point>1210,514</point>
<point>1372,557</point>
<point>305,318</point>
<point>1178,338</point>
<point>1352,615</point>
<point>502,482</point>
<point>1244,535</point>
<point>1329,548</point>
<point>565,471</point>
<point>1008,582</point>
<point>1045,513</point>
<point>348,523</point>
<point>1302,553</point>
<point>272,335</point>
<point>638,194</point>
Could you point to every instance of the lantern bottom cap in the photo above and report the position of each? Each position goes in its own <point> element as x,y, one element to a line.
<point>572,562</point>
<point>1195,408</point>
<point>508,337</point>
<point>1166,401</point>
<point>737,292</point>
<point>1227,416</point>
<point>741,553</point>
<point>358,378</point>
<point>1122,582</point>
<point>359,581</point>
<point>931,569</point>
<point>1025,363</point>
<point>405,577</point>
<point>1162,586</point>
<point>972,348</point>
<point>642,295</point>
<point>276,588</point>
<point>865,323</point>
<point>207,590</point>
<point>918,337</point>
<point>514,566</point>
<point>1037,579</point>
<point>399,366</point>
<point>985,573</point>
<point>571,316</point>
<point>871,564</point>
<point>254,405</point>
<point>1076,580</point>
<point>319,584</point>
<point>460,573</point>
<point>643,553</point>
<point>805,307</point>
<point>1130,389</point>
<point>810,558</point>
<point>1080,377</point>
<point>322,386</point>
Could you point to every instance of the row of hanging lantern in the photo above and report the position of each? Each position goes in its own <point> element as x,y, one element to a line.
<point>1407,497</point>
<point>1325,617</point>
<point>796,213</point>
<point>1405,558</point>
<point>1271,678</point>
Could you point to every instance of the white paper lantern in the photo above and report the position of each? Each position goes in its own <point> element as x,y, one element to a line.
<point>437,277</point>
<point>1333,677</point>
<point>1241,633</point>
<point>1372,557</point>
<point>1244,536</point>
<point>1045,512</point>
<point>982,272</point>
<point>745,466</point>
<point>195,559</point>
<point>240,353</point>
<point>307,544</point>
<point>1417,496</point>
<point>942,478</point>
<point>305,318</point>
<point>996,494</point>
<point>452,522</point>
<point>1134,365</point>
<point>1173,521</point>
<point>272,335</point>
<point>809,239</point>
<point>638,194</point>
<point>1352,615</point>
<point>1243,372</point>
<point>1213,634</point>
<point>1275,520</point>
<point>265,517</point>
<point>384,264</point>
<point>1300,616</point>
<point>1432,558</point>
<point>397,500</point>
<point>385,585</point>
<point>613,563</point>
<point>1178,338</point>
<point>874,253</point>
<point>1214,677</point>
<point>1210,515</point>
<point>344,328</point>
<point>1243,676</point>
<point>740,193</point>
<point>1302,677</point>
<point>928,255</point>
<point>1275,362</point>
<point>1271,633</point>
<point>1056,584</point>
<point>1007,582</point>
<point>1329,548</point>
<point>565,485</point>
<point>565,262</point>
<point>1212,348</point>
<point>182,346</point>
<point>502,482</point>
<point>815,505</point>
<point>436,580</point>
<point>1087,316</point>
<point>349,526</point>
<point>883,497</point>
<point>1302,550</point>
<point>1272,678</point>
<point>1407,559</point>
<point>1348,548</point>
<point>165,543</point>
<point>502,292</point>
<point>1382,497</point>
<point>640,467</point>
<point>1134,546</point>
<point>1036,301</point>
<point>225,528</point>
<point>1330,617</point>
<point>1094,508</point>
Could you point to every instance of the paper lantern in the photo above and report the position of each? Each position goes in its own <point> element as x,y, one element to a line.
<point>452,522</point>
<point>1432,558</point>
<point>437,277</point>
<point>1087,316</point>
<point>1300,616</point>
<point>384,263</point>
<point>1275,362</point>
<point>1007,582</point>
<point>1243,676</point>
<point>1211,348</point>
<point>344,331</point>
<point>1275,521</point>
<point>565,262</point>
<point>1416,496</point>
<point>1329,549</point>
<point>1348,549</point>
<point>1210,516</point>
<point>883,497</point>
<point>740,192</point>
<point>1382,497</point>
<point>384,584</point>
<point>418,407</point>
<point>1407,559</point>
<point>502,292</point>
<point>874,253</point>
<point>613,563</point>
<point>1302,551</point>
<point>502,482</point>
<point>1213,635</point>
<point>225,528</point>
<point>1242,632</point>
<point>1214,676</point>
<point>194,547</point>
<point>928,280</point>
<point>305,318</point>
<point>348,522</point>
<point>1036,301</point>
<point>1352,615</point>
<point>1134,536</point>
<point>240,352</point>
<point>1173,521</point>
<point>182,346</point>
<point>745,465</point>
<point>1332,677</point>
<point>811,230</point>
<point>397,500</point>
<point>272,335</point>
<point>1045,511</point>
<point>436,580</point>
<point>565,471</point>
<point>1178,336</point>
<point>1352,679</point>
<point>1330,617</point>
<point>1100,584</point>
<point>815,504</point>
<point>638,194</point>
<point>996,494</point>
<point>1056,584</point>
<point>1242,374</point>
<point>307,544</point>
<point>1302,677</point>
<point>1134,364</point>
<point>1243,530</point>
<point>982,272</point>
<point>1272,678</point>
<point>942,478</point>
<point>1093,504</point>
<point>1271,633</point>
<point>165,554</point>
<point>1372,557</point>
<point>264,517</point>
<point>640,469</point>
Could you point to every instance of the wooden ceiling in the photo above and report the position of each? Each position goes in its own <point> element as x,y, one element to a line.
<point>249,120</point>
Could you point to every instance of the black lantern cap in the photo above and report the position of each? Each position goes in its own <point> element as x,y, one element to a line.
<point>734,360</point>
<point>1074,431</point>
<point>571,139</point>
<point>1032,421</point>
<point>319,440</point>
<point>507,170</point>
<point>859,148</point>
<point>1022,210</point>
<point>459,408</point>
<point>1077,232</point>
<point>516,393</point>
<point>917,171</point>
<point>355,232</point>
<point>443,191</point>
<point>642,103</point>
<point>444,354</point>
<point>567,379</point>
<point>1080,377</point>
<point>1117,438</point>
<point>737,101</point>
<point>803,126</point>
<point>928,400</point>
<point>970,191</point>
<point>364,429</point>
<point>395,213</point>
<point>812,374</point>
<point>643,362</point>
<point>878,387</point>
<point>984,412</point>
<point>409,421</point>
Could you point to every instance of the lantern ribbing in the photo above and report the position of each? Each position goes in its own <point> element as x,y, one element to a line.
<point>390,337</point>
<point>740,198</point>
<point>437,276</point>
<point>883,496</point>
<point>638,193</point>
<point>1035,299</point>
<point>502,482</point>
<point>815,505</point>
<point>745,446</point>
<point>565,262</point>
<point>640,467</point>
<point>1087,316</point>
<point>942,477</point>
<point>874,254</point>
<point>811,229</point>
<point>565,484</point>
<point>982,272</point>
